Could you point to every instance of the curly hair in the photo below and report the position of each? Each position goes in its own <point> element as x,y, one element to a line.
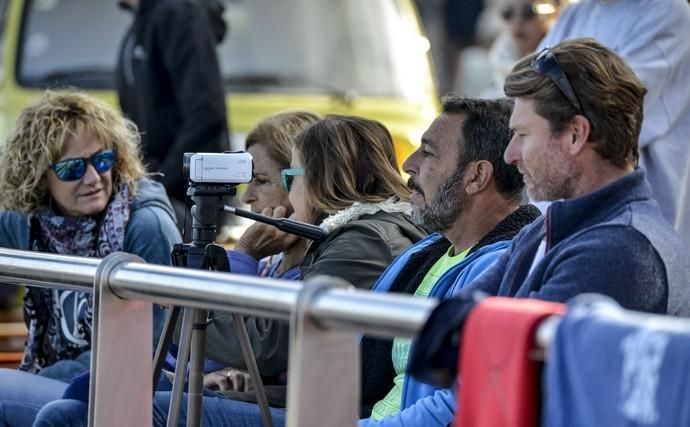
<point>39,138</point>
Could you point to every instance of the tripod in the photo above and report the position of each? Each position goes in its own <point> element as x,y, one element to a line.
<point>202,254</point>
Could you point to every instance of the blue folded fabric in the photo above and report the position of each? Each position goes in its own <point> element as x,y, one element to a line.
<point>611,367</point>
<point>78,388</point>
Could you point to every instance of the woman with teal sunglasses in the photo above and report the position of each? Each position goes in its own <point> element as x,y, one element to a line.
<point>343,177</point>
<point>72,183</point>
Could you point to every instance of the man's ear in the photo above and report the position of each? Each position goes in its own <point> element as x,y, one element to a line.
<point>580,129</point>
<point>478,174</point>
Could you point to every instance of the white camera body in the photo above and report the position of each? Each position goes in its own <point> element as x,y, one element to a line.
<point>220,168</point>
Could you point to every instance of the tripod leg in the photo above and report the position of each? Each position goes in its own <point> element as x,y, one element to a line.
<point>180,367</point>
<point>253,369</point>
<point>164,343</point>
<point>196,369</point>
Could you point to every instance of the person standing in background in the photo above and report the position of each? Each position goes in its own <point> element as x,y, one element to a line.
<point>526,22</point>
<point>169,83</point>
<point>652,37</point>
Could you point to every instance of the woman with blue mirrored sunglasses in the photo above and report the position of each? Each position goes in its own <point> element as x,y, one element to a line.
<point>74,169</point>
<point>72,183</point>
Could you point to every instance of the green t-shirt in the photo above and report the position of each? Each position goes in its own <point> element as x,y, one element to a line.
<point>390,405</point>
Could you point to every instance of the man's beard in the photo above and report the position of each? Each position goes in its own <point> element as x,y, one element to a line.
<point>444,209</point>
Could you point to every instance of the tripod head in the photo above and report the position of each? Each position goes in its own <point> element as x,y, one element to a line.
<point>212,176</point>
<point>202,252</point>
<point>208,203</point>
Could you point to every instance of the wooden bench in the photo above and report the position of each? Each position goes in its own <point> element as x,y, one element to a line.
<point>12,337</point>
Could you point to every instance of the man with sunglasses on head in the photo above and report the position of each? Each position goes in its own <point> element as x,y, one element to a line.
<point>652,36</point>
<point>576,126</point>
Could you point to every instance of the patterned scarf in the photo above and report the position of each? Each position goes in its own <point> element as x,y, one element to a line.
<point>60,321</point>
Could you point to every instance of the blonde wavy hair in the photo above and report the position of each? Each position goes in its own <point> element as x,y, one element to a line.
<point>39,137</point>
<point>277,133</point>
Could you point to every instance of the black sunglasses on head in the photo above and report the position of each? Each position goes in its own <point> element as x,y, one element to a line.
<point>526,12</point>
<point>546,64</point>
<point>74,169</point>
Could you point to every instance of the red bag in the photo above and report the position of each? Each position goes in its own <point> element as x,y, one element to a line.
<point>499,383</point>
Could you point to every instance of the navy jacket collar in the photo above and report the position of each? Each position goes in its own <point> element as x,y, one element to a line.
<point>567,216</point>
<point>145,5</point>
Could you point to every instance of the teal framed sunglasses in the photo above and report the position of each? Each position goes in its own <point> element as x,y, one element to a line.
<point>74,169</point>
<point>288,174</point>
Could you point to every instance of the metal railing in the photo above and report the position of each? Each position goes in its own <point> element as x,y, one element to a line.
<point>327,317</point>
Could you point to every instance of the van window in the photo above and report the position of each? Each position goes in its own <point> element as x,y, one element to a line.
<point>70,42</point>
<point>361,46</point>
<point>354,47</point>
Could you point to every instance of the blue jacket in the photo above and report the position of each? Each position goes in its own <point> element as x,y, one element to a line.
<point>151,231</point>
<point>423,404</point>
<point>150,234</point>
<point>613,241</point>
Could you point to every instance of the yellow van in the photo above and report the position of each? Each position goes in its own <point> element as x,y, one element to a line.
<point>361,57</point>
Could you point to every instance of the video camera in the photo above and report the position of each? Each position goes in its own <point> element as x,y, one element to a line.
<point>230,167</point>
<point>212,176</point>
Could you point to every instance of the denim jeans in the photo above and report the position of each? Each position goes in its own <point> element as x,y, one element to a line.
<point>22,395</point>
<point>216,412</point>
<point>63,413</point>
<point>74,413</point>
<point>65,370</point>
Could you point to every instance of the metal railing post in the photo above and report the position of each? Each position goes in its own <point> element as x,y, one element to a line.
<point>121,350</point>
<point>324,365</point>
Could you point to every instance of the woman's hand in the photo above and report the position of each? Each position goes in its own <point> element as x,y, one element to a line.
<point>228,379</point>
<point>261,240</point>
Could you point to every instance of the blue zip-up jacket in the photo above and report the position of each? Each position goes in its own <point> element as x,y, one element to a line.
<point>423,404</point>
<point>150,234</point>
<point>151,231</point>
<point>613,241</point>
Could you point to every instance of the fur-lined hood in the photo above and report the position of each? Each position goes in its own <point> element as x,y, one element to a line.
<point>357,210</point>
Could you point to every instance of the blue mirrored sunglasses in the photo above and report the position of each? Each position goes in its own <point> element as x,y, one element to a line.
<point>74,169</point>
<point>288,174</point>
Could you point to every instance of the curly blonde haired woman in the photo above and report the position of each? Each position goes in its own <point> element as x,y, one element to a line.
<point>72,183</point>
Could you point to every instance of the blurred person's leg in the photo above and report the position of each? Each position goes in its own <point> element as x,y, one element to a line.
<point>65,370</point>
<point>216,412</point>
<point>22,395</point>
<point>63,413</point>
<point>75,413</point>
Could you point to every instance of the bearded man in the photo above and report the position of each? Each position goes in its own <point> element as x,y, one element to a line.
<point>469,197</point>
